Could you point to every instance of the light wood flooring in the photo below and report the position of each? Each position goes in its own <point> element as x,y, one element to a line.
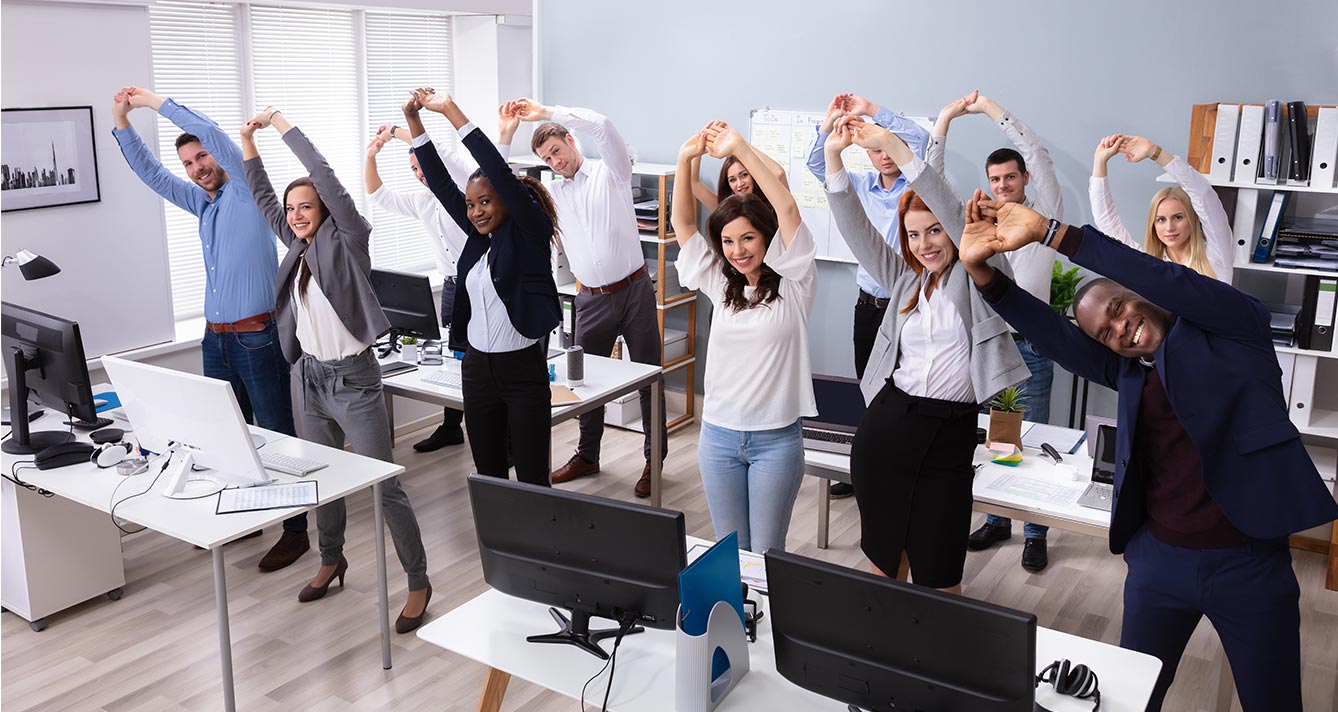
<point>156,648</point>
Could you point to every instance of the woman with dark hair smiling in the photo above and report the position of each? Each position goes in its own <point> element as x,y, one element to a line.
<point>758,270</point>
<point>328,318</point>
<point>735,179</point>
<point>505,298</point>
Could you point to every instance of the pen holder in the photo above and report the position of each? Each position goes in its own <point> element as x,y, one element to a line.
<point>695,655</point>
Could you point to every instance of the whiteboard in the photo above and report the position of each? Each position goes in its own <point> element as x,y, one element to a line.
<point>786,136</point>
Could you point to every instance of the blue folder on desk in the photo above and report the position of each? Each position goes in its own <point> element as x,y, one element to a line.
<point>712,578</point>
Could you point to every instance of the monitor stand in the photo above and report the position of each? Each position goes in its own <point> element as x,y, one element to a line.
<point>183,483</point>
<point>24,442</point>
<point>577,632</point>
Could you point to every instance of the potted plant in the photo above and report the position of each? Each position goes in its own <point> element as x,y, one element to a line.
<point>409,349</point>
<point>1063,285</point>
<point>1006,416</point>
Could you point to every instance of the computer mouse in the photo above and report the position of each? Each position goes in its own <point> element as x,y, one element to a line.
<point>63,455</point>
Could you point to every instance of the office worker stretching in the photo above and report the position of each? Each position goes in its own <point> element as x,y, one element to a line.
<point>1186,223</point>
<point>1210,474</point>
<point>735,179</point>
<point>939,354</point>
<point>594,200</point>
<point>505,299</point>
<point>759,272</point>
<point>1026,176</point>
<point>328,319</point>
<point>241,339</point>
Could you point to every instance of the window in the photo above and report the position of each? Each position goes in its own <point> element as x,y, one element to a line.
<point>336,74</point>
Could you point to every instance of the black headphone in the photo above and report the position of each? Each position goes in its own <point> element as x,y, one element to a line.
<point>1078,681</point>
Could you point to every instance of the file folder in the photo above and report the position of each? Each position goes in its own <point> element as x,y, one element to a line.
<point>1247,144</point>
<point>1322,171</point>
<point>1224,142</point>
<point>1298,128</point>
<point>1268,234</point>
<point>1273,143</point>
<point>1315,324</point>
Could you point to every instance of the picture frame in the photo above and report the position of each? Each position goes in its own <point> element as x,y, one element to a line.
<point>48,158</point>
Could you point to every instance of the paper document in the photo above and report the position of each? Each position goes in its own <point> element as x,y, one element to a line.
<point>1036,490</point>
<point>1065,440</point>
<point>278,496</point>
<point>752,567</point>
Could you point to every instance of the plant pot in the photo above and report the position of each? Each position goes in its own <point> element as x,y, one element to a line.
<point>409,353</point>
<point>1005,427</point>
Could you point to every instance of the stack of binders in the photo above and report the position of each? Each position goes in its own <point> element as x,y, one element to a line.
<point>1308,243</point>
<point>1282,320</point>
<point>1275,143</point>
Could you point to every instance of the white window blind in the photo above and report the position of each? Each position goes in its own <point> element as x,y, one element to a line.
<point>197,63</point>
<point>404,52</point>
<point>305,63</point>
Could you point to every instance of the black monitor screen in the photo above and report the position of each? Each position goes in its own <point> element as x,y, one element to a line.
<point>840,401</point>
<point>46,354</point>
<point>882,644</point>
<point>407,301</point>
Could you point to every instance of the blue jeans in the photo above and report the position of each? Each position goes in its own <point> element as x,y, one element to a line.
<point>751,479</point>
<point>253,363</point>
<point>1037,399</point>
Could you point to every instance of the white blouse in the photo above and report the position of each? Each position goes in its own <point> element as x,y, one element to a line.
<point>490,329</point>
<point>320,331</point>
<point>934,356</point>
<point>758,372</point>
<point>1203,201</point>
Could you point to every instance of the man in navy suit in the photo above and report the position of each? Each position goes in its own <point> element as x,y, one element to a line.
<point>1211,475</point>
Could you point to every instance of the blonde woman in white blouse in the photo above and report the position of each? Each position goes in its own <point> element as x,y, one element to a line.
<point>757,268</point>
<point>1186,223</point>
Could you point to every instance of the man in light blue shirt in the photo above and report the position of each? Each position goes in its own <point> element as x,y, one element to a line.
<point>240,259</point>
<point>879,191</point>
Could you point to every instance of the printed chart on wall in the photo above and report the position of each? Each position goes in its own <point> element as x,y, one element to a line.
<point>787,136</point>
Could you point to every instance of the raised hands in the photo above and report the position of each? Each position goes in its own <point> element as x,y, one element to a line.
<point>975,103</point>
<point>859,106</point>
<point>530,110</point>
<point>508,120</point>
<point>141,98</point>
<point>412,106</point>
<point>722,140</point>
<point>259,121</point>
<point>839,106</point>
<point>121,109</point>
<point>429,99</point>
<point>379,141</point>
<point>841,137</point>
<point>1136,148</point>
<point>1106,149</point>
<point>980,239</point>
<point>1016,225</point>
<point>865,134</point>
<point>694,146</point>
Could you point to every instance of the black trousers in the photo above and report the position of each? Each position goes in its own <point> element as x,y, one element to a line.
<point>868,317</point>
<point>507,398</point>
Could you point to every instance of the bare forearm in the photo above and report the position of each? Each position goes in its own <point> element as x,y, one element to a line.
<point>415,124</point>
<point>280,122</point>
<point>249,149</point>
<point>683,215</point>
<point>371,178</point>
<point>454,115</point>
<point>993,110</point>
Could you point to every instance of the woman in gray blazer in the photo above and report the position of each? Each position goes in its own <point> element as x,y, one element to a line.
<point>328,318</point>
<point>939,354</point>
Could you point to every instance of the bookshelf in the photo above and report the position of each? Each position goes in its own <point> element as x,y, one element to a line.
<point>656,181</point>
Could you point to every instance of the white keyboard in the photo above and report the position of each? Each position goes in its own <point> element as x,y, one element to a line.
<point>289,464</point>
<point>449,378</point>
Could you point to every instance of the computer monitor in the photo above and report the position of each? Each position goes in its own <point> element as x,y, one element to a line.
<point>1103,462</point>
<point>878,644</point>
<point>407,301</point>
<point>593,556</point>
<point>43,355</point>
<point>196,417</point>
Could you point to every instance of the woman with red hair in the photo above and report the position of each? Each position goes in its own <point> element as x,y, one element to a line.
<point>940,352</point>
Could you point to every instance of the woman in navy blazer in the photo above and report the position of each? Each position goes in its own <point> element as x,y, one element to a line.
<point>1211,475</point>
<point>505,298</point>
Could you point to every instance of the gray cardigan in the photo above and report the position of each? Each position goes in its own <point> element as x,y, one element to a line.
<point>339,255</point>
<point>995,361</point>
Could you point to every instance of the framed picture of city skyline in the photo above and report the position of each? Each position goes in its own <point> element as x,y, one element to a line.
<point>47,158</point>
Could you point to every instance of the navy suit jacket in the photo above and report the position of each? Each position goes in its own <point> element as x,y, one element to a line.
<point>521,262</point>
<point>1221,376</point>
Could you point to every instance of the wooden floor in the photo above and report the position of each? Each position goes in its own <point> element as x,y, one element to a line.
<point>156,648</point>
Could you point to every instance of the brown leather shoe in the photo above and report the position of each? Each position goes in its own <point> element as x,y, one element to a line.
<point>575,467</point>
<point>311,593</point>
<point>642,488</point>
<point>405,624</point>
<point>289,547</point>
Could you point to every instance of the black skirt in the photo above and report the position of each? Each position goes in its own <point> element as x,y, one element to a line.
<point>911,468</point>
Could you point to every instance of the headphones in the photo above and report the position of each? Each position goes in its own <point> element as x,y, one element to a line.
<point>1078,681</point>
<point>110,454</point>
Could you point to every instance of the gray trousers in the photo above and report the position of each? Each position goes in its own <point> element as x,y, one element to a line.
<point>600,318</point>
<point>344,398</point>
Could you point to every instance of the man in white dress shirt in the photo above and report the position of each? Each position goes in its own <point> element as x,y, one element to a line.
<point>445,235</point>
<point>599,233</point>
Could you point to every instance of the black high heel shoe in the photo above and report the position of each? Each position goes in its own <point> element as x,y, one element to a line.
<point>311,593</point>
<point>405,624</point>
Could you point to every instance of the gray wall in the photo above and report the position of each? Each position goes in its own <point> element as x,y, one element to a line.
<point>1075,71</point>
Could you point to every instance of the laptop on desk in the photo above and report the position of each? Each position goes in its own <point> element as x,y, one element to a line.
<point>1101,493</point>
<point>840,408</point>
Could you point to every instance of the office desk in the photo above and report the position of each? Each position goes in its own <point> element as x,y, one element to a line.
<point>491,629</point>
<point>605,380</point>
<point>191,521</point>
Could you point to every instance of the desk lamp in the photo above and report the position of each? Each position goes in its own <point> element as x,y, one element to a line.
<point>32,266</point>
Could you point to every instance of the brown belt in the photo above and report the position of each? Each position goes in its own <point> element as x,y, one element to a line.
<point>249,325</point>
<point>615,286</point>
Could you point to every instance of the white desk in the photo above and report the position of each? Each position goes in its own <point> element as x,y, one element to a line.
<point>605,380</point>
<point>491,629</point>
<point>191,521</point>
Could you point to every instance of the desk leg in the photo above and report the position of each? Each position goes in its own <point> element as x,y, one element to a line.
<point>224,633</point>
<point>382,596</point>
<point>656,440</point>
<point>824,510</point>
<point>494,689</point>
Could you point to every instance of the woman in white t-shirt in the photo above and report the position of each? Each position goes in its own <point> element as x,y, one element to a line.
<point>757,267</point>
